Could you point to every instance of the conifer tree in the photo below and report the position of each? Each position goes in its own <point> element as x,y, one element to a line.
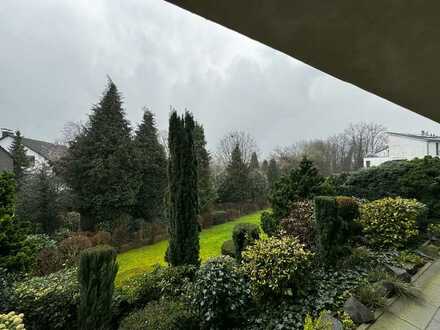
<point>236,185</point>
<point>96,276</point>
<point>205,187</point>
<point>183,194</point>
<point>18,153</point>
<point>273,172</point>
<point>100,166</point>
<point>152,164</point>
<point>254,164</point>
<point>264,166</point>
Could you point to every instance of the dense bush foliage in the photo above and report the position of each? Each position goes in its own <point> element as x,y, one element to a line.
<point>220,294</point>
<point>434,230</point>
<point>48,302</point>
<point>11,321</point>
<point>276,266</point>
<point>269,223</point>
<point>228,248</point>
<point>161,315</point>
<point>97,272</point>
<point>320,323</point>
<point>243,235</point>
<point>300,222</point>
<point>301,183</point>
<point>334,226</point>
<point>391,222</point>
<point>417,179</point>
<point>162,281</point>
<point>7,194</point>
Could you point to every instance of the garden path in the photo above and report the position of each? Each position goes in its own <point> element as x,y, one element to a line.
<point>421,314</point>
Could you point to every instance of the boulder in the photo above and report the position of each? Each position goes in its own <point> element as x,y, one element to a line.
<point>358,312</point>
<point>336,324</point>
<point>399,273</point>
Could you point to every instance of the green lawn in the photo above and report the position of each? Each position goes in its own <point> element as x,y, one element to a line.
<point>137,261</point>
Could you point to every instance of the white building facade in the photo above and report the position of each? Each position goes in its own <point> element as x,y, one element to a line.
<point>405,147</point>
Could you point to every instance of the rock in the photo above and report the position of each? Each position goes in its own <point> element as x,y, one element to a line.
<point>358,312</point>
<point>410,268</point>
<point>336,324</point>
<point>399,273</point>
<point>388,288</point>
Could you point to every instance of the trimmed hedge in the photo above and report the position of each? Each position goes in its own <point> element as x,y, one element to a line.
<point>335,226</point>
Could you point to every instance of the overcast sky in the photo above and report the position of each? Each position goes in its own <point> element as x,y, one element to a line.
<point>55,55</point>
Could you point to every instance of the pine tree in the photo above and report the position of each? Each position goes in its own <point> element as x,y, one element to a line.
<point>205,187</point>
<point>264,166</point>
<point>254,164</point>
<point>152,163</point>
<point>236,185</point>
<point>100,166</point>
<point>273,172</point>
<point>18,153</point>
<point>183,197</point>
<point>96,276</point>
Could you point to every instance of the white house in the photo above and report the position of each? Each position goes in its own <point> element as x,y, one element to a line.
<point>405,146</point>
<point>39,152</point>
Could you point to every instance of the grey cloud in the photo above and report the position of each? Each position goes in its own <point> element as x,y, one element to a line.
<point>56,55</point>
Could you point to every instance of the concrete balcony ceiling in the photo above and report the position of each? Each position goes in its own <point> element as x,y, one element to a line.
<point>388,47</point>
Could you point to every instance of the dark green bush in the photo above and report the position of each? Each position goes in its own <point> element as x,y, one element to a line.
<point>334,227</point>
<point>7,194</point>
<point>161,315</point>
<point>220,294</point>
<point>228,248</point>
<point>303,182</point>
<point>48,302</point>
<point>243,235</point>
<point>417,179</point>
<point>97,272</point>
<point>269,224</point>
<point>219,217</point>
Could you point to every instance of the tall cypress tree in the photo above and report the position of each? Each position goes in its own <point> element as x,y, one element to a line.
<point>153,170</point>
<point>183,245</point>
<point>18,153</point>
<point>100,166</point>
<point>254,164</point>
<point>205,187</point>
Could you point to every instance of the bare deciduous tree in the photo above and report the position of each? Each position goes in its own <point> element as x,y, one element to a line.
<point>245,142</point>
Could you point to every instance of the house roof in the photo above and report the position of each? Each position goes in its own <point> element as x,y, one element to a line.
<point>50,151</point>
<point>415,136</point>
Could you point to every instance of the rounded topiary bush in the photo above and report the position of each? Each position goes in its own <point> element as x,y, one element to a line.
<point>220,294</point>
<point>269,224</point>
<point>228,248</point>
<point>276,265</point>
<point>391,222</point>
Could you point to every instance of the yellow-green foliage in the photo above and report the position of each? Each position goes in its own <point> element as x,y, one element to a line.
<point>11,321</point>
<point>391,222</point>
<point>347,322</point>
<point>320,323</point>
<point>434,229</point>
<point>276,265</point>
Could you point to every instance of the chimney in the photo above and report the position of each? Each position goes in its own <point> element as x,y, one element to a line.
<point>7,132</point>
